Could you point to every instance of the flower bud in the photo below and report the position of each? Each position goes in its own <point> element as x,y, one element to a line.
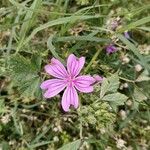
<point>125,60</point>
<point>42,106</point>
<point>55,129</point>
<point>5,119</point>
<point>129,103</point>
<point>56,139</point>
<point>122,114</point>
<point>125,85</point>
<point>138,68</point>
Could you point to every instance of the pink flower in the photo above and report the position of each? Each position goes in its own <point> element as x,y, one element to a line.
<point>68,79</point>
<point>98,78</point>
<point>111,49</point>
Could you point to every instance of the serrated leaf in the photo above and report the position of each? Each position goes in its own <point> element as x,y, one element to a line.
<point>109,85</point>
<point>36,61</point>
<point>144,76</point>
<point>115,100</point>
<point>71,146</point>
<point>104,87</point>
<point>30,87</point>
<point>138,95</point>
<point>24,73</point>
<point>117,97</point>
<point>113,83</point>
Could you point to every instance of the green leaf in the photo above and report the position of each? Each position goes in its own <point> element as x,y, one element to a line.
<point>138,10</point>
<point>84,9</point>
<point>144,28</point>
<point>144,76</point>
<point>117,97</point>
<point>2,105</point>
<point>30,17</point>
<point>115,100</point>
<point>82,38</point>
<point>58,21</point>
<point>134,50</point>
<point>36,61</point>
<point>113,83</point>
<point>71,146</point>
<point>30,88</point>
<point>104,87</point>
<point>24,73</point>
<point>110,85</point>
<point>139,95</point>
<point>39,144</point>
<point>52,48</point>
<point>135,24</point>
<point>4,145</point>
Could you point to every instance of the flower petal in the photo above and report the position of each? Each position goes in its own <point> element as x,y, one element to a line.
<point>70,97</point>
<point>54,88</point>
<point>84,80</point>
<point>51,83</point>
<point>56,69</point>
<point>74,65</point>
<point>83,83</point>
<point>111,49</point>
<point>87,89</point>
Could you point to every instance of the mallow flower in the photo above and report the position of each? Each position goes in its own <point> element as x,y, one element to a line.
<point>68,79</point>
<point>111,49</point>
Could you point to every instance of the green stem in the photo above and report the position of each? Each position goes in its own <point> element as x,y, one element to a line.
<point>127,80</point>
<point>80,118</point>
<point>92,60</point>
<point>81,129</point>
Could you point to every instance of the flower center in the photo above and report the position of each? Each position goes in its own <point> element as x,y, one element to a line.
<point>70,81</point>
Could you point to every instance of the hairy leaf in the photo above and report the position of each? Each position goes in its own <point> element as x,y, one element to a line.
<point>24,73</point>
<point>110,85</point>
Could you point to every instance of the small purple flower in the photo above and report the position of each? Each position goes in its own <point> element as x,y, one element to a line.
<point>126,34</point>
<point>111,49</point>
<point>69,79</point>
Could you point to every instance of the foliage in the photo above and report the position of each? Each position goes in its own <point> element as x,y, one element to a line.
<point>24,73</point>
<point>116,115</point>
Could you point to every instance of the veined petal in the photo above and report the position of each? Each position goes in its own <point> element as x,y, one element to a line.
<point>74,65</point>
<point>56,69</point>
<point>51,83</point>
<point>54,88</point>
<point>70,97</point>
<point>84,80</point>
<point>87,89</point>
<point>83,83</point>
